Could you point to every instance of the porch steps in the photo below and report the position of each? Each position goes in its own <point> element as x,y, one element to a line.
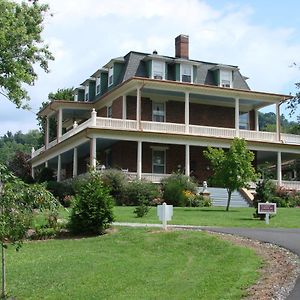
<point>219,198</point>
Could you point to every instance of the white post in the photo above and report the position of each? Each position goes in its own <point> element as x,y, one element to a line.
<point>75,125</point>
<point>139,160</point>
<point>256,113</point>
<point>46,164</point>
<point>138,107</point>
<point>187,111</point>
<point>164,219</point>
<point>93,157</point>
<point>94,117</point>
<point>278,121</point>
<point>187,160</point>
<point>279,171</point>
<point>267,218</point>
<point>124,108</point>
<point>237,116</point>
<point>59,168</point>
<point>59,124</point>
<point>47,129</point>
<point>32,172</point>
<point>32,152</point>
<point>75,162</point>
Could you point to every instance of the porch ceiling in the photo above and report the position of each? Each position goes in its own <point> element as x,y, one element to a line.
<point>268,156</point>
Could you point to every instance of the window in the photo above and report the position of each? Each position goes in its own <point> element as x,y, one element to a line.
<point>76,97</point>
<point>98,85</point>
<point>110,76</point>
<point>158,112</point>
<point>186,73</point>
<point>158,161</point>
<point>244,121</point>
<point>86,93</point>
<point>226,78</point>
<point>158,69</point>
<point>109,111</point>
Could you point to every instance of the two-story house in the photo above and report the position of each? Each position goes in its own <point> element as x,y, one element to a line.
<point>151,115</point>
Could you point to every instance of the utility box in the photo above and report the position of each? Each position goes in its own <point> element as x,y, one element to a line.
<point>165,213</point>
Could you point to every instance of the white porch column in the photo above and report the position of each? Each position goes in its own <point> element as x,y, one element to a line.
<point>237,116</point>
<point>187,160</point>
<point>138,107</point>
<point>187,111</point>
<point>279,171</point>
<point>47,128</point>
<point>256,120</point>
<point>124,107</point>
<point>93,157</point>
<point>94,117</point>
<point>46,164</point>
<point>59,124</point>
<point>32,172</point>
<point>139,160</point>
<point>58,168</point>
<point>278,121</point>
<point>75,162</point>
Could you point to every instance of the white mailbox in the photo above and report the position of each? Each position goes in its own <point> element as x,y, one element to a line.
<point>165,213</point>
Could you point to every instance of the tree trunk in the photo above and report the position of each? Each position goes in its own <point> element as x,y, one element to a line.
<point>3,292</point>
<point>228,200</point>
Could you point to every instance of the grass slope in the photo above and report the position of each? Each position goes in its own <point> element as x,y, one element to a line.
<point>215,216</point>
<point>132,264</point>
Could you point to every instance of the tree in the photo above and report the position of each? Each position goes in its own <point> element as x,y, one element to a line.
<point>21,48</point>
<point>17,203</point>
<point>232,169</point>
<point>21,167</point>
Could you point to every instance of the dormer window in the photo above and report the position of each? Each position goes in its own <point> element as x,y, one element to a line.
<point>226,78</point>
<point>158,69</point>
<point>186,74</point>
<point>86,93</point>
<point>98,85</point>
<point>110,76</point>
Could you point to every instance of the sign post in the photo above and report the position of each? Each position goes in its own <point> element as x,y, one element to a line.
<point>267,209</point>
<point>165,213</point>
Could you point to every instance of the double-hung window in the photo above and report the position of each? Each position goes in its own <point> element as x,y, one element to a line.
<point>98,85</point>
<point>109,111</point>
<point>244,121</point>
<point>158,112</point>
<point>158,69</point>
<point>186,73</point>
<point>226,78</point>
<point>86,93</point>
<point>110,76</point>
<point>158,161</point>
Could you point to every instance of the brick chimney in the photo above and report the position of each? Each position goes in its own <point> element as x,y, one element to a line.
<point>182,46</point>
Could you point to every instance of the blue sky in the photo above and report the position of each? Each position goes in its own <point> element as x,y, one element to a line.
<point>261,37</point>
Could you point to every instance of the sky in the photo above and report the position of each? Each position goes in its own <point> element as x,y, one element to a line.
<point>261,37</point>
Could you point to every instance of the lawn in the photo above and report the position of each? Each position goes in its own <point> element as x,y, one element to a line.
<point>215,216</point>
<point>132,264</point>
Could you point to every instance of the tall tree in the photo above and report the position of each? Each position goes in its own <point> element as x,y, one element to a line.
<point>233,168</point>
<point>21,48</point>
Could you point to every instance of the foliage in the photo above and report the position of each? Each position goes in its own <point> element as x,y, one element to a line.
<point>143,208</point>
<point>21,47</point>
<point>140,189</point>
<point>20,166</point>
<point>194,200</point>
<point>232,169</point>
<point>46,174</point>
<point>174,187</point>
<point>116,181</point>
<point>23,142</point>
<point>92,208</point>
<point>60,190</point>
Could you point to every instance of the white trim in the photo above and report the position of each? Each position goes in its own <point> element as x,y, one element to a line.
<point>98,84</point>
<point>110,75</point>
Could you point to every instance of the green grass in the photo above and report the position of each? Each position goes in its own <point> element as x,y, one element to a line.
<point>132,264</point>
<point>215,216</point>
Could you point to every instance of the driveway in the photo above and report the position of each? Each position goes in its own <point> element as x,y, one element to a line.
<point>286,238</point>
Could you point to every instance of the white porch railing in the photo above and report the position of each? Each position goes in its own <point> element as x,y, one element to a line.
<point>152,177</point>
<point>174,128</point>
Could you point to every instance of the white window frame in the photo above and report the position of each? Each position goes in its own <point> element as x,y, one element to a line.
<point>156,73</point>
<point>86,92</point>
<point>111,76</point>
<point>76,97</point>
<point>244,125</point>
<point>162,164</point>
<point>183,68</point>
<point>98,87</point>
<point>109,111</point>
<point>226,78</point>
<point>163,114</point>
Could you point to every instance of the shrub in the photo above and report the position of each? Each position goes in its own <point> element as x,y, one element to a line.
<point>116,181</point>
<point>60,190</point>
<point>140,189</point>
<point>92,209</point>
<point>143,208</point>
<point>174,186</point>
<point>46,174</point>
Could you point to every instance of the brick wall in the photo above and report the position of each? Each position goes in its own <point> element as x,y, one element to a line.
<point>175,112</point>
<point>117,108</point>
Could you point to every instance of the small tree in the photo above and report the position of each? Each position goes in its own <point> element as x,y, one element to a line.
<point>17,203</point>
<point>232,169</point>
